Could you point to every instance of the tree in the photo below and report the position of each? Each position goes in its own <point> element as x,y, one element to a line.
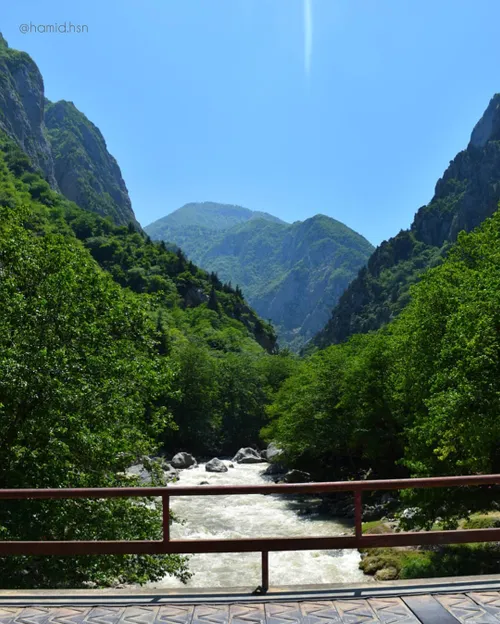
<point>81,388</point>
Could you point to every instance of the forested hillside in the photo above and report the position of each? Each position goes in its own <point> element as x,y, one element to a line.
<point>420,396</point>
<point>100,367</point>
<point>292,274</point>
<point>467,193</point>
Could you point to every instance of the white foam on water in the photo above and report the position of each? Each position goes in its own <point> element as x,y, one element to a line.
<point>225,517</point>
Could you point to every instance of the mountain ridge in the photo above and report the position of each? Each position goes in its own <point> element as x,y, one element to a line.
<point>467,193</point>
<point>290,272</point>
<point>60,140</point>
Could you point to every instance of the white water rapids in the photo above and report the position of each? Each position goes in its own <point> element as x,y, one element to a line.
<point>238,516</point>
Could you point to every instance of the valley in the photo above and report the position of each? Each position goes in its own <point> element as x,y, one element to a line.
<point>218,327</point>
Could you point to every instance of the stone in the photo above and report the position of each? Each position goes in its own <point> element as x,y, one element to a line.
<point>203,483</point>
<point>170,473</point>
<point>273,451</point>
<point>215,465</point>
<point>247,456</point>
<point>296,476</point>
<point>138,470</point>
<point>274,469</point>
<point>183,460</point>
<point>386,574</point>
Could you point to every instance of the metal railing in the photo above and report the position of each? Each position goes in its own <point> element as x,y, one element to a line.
<point>263,545</point>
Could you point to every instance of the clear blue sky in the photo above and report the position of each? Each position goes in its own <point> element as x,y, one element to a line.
<point>351,108</point>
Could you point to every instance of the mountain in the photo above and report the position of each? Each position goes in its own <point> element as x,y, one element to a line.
<point>56,156</point>
<point>196,226</point>
<point>22,106</point>
<point>85,171</point>
<point>59,140</point>
<point>464,197</point>
<point>291,273</point>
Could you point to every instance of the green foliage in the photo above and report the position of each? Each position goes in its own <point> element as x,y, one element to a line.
<point>456,560</point>
<point>101,363</point>
<point>292,274</point>
<point>421,397</point>
<point>82,395</point>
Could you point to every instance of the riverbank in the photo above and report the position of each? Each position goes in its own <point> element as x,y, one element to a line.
<point>432,561</point>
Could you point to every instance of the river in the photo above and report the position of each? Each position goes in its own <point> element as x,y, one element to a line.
<point>255,516</point>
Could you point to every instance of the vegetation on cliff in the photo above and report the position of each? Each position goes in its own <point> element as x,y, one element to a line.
<point>291,274</point>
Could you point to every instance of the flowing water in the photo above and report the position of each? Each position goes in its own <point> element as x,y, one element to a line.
<point>255,516</point>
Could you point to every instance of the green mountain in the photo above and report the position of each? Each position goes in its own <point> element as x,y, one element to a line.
<point>59,140</point>
<point>22,106</point>
<point>465,196</point>
<point>291,274</point>
<point>85,171</point>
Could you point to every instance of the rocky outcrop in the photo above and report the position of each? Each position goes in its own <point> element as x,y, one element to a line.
<point>85,171</point>
<point>215,465</point>
<point>464,197</point>
<point>247,456</point>
<point>22,108</point>
<point>183,460</point>
<point>60,141</point>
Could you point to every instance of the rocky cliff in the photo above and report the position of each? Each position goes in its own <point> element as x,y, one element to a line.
<point>22,108</point>
<point>59,140</point>
<point>84,169</point>
<point>468,193</point>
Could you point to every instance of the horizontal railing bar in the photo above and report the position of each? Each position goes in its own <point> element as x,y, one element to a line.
<point>425,538</point>
<point>72,548</point>
<point>279,488</point>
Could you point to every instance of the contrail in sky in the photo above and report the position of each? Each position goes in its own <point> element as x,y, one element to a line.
<point>308,35</point>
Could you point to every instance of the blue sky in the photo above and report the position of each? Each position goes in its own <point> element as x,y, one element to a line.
<point>351,108</point>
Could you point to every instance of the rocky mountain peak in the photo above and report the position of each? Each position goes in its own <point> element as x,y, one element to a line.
<point>488,127</point>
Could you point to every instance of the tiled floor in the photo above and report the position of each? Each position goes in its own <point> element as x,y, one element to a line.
<point>477,607</point>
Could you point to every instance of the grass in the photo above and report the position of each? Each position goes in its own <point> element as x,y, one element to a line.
<point>374,527</point>
<point>451,560</point>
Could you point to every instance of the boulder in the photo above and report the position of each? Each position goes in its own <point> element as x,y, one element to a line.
<point>272,452</point>
<point>247,456</point>
<point>215,465</point>
<point>170,472</point>
<point>274,469</point>
<point>183,460</point>
<point>296,476</point>
<point>138,470</point>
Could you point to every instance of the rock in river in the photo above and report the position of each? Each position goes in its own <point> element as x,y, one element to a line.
<point>296,476</point>
<point>274,469</point>
<point>247,456</point>
<point>272,452</point>
<point>215,465</point>
<point>183,460</point>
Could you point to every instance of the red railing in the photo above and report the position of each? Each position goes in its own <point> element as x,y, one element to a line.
<point>262,545</point>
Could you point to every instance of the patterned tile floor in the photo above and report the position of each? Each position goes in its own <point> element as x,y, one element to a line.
<point>478,607</point>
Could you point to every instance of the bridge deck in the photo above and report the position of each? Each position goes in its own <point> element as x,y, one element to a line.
<point>430,601</point>
<point>483,607</point>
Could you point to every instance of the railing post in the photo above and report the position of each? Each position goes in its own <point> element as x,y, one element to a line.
<point>265,571</point>
<point>358,514</point>
<point>166,517</point>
